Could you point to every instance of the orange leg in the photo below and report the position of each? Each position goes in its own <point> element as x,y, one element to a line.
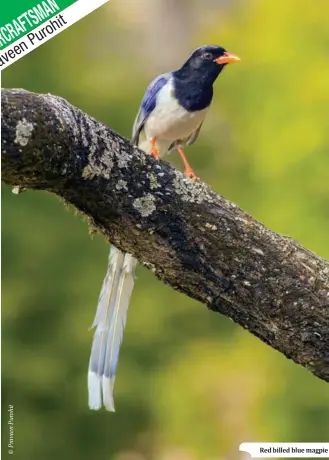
<point>155,152</point>
<point>188,170</point>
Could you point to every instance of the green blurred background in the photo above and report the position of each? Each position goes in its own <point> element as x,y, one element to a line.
<point>191,384</point>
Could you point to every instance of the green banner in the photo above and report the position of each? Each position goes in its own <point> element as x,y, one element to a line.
<point>17,18</point>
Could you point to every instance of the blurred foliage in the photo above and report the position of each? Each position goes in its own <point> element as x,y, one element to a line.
<point>191,385</point>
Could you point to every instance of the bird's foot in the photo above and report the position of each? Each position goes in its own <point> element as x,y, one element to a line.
<point>188,170</point>
<point>191,175</point>
<point>155,154</point>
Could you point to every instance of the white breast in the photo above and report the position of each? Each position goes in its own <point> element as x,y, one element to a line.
<point>169,121</point>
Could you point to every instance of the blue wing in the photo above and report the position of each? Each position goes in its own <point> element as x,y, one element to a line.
<point>148,104</point>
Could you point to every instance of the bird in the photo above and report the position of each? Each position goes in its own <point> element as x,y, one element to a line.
<point>170,116</point>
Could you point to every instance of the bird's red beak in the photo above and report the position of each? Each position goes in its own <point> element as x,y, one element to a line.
<point>227,58</point>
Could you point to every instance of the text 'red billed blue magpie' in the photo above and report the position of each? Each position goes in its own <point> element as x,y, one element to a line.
<point>171,114</point>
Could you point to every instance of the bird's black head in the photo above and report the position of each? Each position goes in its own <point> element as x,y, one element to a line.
<point>194,80</point>
<point>206,63</point>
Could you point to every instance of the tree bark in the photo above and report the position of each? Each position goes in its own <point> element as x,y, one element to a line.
<point>191,238</point>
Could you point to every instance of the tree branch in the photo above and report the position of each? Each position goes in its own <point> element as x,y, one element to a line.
<point>191,238</point>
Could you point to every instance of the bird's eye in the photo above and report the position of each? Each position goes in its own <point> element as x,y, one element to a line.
<point>207,56</point>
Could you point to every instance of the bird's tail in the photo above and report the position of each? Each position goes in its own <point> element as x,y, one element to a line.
<point>109,321</point>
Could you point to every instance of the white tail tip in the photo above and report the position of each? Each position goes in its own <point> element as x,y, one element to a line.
<point>100,389</point>
<point>94,391</point>
<point>108,400</point>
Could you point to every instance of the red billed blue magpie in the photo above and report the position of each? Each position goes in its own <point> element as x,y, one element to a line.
<point>171,115</point>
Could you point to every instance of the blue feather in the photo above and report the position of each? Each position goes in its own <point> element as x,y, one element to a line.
<point>148,103</point>
<point>149,99</point>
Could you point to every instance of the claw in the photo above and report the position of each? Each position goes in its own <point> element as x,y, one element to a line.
<point>188,170</point>
<point>155,152</point>
<point>191,175</point>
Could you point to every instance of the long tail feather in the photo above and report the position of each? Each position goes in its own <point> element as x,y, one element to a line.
<point>109,321</point>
